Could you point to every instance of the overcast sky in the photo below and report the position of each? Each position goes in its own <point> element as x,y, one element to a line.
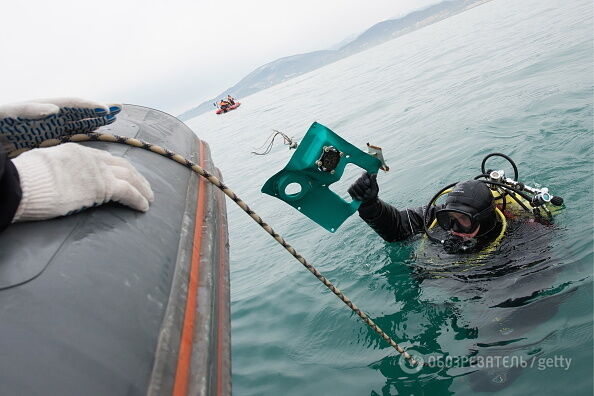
<point>171,55</point>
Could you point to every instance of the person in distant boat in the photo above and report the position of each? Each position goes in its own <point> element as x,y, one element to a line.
<point>44,183</point>
<point>224,105</point>
<point>231,100</point>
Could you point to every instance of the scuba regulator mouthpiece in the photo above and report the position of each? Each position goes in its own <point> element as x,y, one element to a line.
<point>457,244</point>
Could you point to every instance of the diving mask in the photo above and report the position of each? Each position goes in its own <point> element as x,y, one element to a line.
<point>460,220</point>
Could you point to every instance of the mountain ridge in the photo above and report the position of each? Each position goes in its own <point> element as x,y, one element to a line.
<point>285,68</point>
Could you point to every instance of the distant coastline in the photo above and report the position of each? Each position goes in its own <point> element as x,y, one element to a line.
<point>286,68</point>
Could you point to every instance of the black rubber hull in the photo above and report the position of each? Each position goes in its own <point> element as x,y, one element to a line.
<point>115,302</point>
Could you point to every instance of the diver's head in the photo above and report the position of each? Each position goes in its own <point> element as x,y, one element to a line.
<point>468,211</point>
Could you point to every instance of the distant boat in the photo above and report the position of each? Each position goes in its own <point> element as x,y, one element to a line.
<point>232,107</point>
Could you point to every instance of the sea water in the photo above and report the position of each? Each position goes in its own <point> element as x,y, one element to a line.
<point>513,77</point>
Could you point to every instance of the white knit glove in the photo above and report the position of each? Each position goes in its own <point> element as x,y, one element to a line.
<point>60,180</point>
<point>26,124</point>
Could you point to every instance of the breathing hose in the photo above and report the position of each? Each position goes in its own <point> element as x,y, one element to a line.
<point>105,137</point>
<point>512,163</point>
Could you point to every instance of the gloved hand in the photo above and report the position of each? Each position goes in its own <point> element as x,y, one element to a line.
<point>57,181</point>
<point>365,189</point>
<point>26,124</point>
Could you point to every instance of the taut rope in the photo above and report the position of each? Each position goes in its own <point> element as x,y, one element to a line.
<point>105,137</point>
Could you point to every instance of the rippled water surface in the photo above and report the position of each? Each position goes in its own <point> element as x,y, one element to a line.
<point>508,76</point>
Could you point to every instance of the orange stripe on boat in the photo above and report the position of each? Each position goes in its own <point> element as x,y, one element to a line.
<point>184,359</point>
<point>222,312</point>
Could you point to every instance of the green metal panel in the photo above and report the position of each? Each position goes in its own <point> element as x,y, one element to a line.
<point>314,199</point>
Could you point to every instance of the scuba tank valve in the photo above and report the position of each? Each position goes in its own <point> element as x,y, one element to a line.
<point>541,196</point>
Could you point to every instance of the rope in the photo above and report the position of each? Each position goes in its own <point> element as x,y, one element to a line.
<point>105,137</point>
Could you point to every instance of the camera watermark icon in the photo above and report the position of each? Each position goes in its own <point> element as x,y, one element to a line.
<point>407,366</point>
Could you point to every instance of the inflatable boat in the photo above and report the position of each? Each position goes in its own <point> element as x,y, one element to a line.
<point>232,107</point>
<point>111,301</point>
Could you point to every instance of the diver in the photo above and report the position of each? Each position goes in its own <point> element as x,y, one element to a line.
<point>231,100</point>
<point>468,216</point>
<point>473,218</point>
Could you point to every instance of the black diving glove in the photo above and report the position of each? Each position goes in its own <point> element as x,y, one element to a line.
<point>365,189</point>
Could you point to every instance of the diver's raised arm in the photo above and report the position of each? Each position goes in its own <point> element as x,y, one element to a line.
<point>390,223</point>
